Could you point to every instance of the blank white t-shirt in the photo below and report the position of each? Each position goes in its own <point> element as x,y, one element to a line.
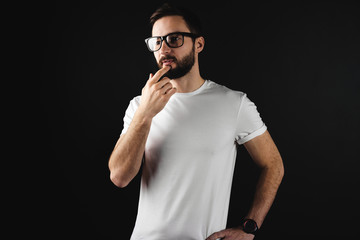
<point>189,162</point>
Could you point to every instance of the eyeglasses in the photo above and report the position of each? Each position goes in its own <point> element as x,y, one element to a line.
<point>173,40</point>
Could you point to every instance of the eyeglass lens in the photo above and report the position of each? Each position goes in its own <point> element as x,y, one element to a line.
<point>173,40</point>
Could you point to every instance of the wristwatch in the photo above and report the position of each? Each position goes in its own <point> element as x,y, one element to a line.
<point>249,226</point>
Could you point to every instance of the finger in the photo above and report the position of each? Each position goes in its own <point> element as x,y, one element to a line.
<point>170,92</point>
<point>216,236</point>
<point>162,83</point>
<point>165,88</point>
<point>150,76</point>
<point>160,73</point>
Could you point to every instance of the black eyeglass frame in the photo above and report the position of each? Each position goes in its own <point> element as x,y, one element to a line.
<point>163,38</point>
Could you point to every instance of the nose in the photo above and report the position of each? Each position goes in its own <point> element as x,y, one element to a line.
<point>165,49</point>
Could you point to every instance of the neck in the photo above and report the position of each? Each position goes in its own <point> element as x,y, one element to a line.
<point>190,82</point>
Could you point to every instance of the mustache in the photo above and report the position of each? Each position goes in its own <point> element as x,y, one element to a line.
<point>167,58</point>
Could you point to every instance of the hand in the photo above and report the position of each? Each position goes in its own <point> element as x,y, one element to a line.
<point>155,93</point>
<point>231,234</point>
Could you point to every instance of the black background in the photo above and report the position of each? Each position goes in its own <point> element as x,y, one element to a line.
<point>299,62</point>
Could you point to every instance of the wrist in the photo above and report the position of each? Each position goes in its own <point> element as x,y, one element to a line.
<point>249,226</point>
<point>142,117</point>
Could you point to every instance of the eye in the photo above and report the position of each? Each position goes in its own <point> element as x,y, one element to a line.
<point>172,39</point>
<point>158,42</point>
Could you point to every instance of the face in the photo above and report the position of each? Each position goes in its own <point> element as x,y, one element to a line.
<point>180,59</point>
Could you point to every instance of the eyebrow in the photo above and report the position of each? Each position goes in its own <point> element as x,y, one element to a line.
<point>170,33</point>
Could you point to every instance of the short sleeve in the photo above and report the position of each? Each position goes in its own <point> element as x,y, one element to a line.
<point>129,113</point>
<point>249,122</point>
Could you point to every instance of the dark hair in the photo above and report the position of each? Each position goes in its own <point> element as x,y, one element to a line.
<point>191,20</point>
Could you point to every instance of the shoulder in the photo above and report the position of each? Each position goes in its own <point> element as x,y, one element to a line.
<point>225,92</point>
<point>136,100</point>
<point>134,104</point>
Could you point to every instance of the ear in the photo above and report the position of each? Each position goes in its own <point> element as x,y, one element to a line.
<point>199,44</point>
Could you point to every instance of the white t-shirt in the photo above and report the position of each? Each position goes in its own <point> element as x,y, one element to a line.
<point>189,162</point>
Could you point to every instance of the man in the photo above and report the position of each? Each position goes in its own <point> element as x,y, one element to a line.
<point>185,131</point>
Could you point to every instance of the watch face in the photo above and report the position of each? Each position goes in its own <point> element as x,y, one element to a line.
<point>250,226</point>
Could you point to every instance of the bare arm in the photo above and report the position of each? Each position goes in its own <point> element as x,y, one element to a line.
<point>264,152</point>
<point>125,160</point>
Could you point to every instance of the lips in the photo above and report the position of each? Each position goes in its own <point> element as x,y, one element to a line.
<point>167,61</point>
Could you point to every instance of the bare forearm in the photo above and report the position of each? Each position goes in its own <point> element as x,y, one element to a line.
<point>268,184</point>
<point>125,160</point>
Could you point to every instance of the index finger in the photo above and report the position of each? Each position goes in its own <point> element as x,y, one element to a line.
<point>160,73</point>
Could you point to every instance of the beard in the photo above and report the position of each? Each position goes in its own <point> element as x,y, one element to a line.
<point>183,66</point>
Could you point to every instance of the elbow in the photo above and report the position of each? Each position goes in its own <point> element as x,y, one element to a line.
<point>276,170</point>
<point>118,180</point>
<point>281,171</point>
